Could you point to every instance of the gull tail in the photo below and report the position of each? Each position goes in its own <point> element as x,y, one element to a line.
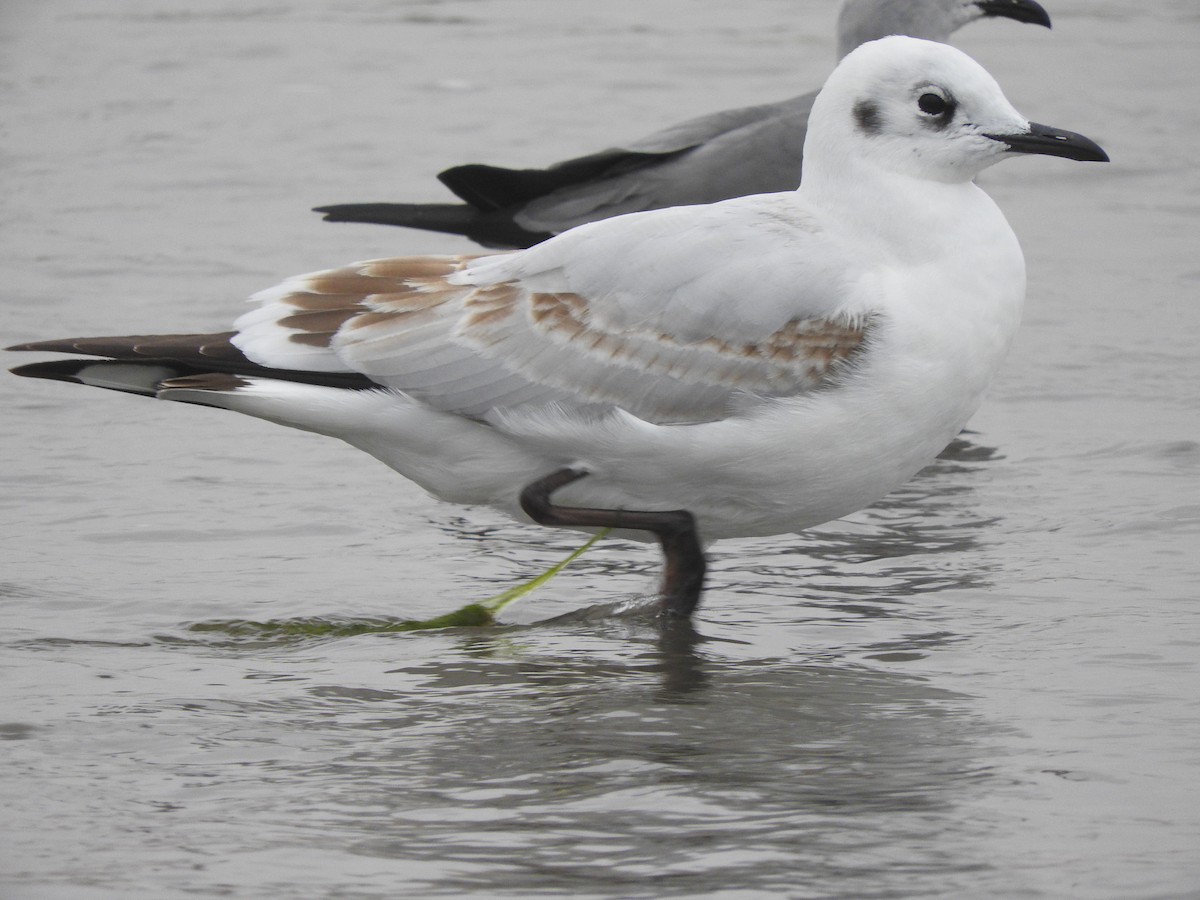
<point>494,228</point>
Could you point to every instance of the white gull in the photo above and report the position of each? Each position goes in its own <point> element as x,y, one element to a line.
<point>751,367</point>
<point>732,153</point>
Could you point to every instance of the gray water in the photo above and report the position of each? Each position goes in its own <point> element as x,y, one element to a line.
<point>985,686</point>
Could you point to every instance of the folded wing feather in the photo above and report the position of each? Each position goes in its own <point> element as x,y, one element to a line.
<point>475,348</point>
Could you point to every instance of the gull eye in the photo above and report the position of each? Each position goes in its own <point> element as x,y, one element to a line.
<point>933,104</point>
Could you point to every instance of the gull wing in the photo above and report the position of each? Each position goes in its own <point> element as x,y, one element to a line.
<point>670,315</point>
<point>495,187</point>
<point>756,150</point>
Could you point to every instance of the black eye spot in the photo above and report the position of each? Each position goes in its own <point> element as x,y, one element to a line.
<point>866,114</point>
<point>933,104</point>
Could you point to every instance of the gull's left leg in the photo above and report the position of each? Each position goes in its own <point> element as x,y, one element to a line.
<point>683,573</point>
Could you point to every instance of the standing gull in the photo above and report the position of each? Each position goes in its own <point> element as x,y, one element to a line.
<point>751,367</point>
<point>753,150</point>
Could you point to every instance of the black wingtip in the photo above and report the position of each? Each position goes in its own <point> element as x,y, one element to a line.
<point>448,218</point>
<point>46,346</point>
<point>489,229</point>
<point>59,370</point>
<point>351,212</point>
<point>127,376</point>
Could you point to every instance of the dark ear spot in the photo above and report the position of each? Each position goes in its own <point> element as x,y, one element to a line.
<point>866,114</point>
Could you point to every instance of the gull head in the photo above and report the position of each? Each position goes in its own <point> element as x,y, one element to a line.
<point>860,21</point>
<point>924,110</point>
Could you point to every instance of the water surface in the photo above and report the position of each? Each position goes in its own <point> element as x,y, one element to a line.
<point>984,686</point>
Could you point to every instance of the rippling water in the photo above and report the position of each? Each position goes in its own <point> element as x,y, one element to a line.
<point>986,685</point>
